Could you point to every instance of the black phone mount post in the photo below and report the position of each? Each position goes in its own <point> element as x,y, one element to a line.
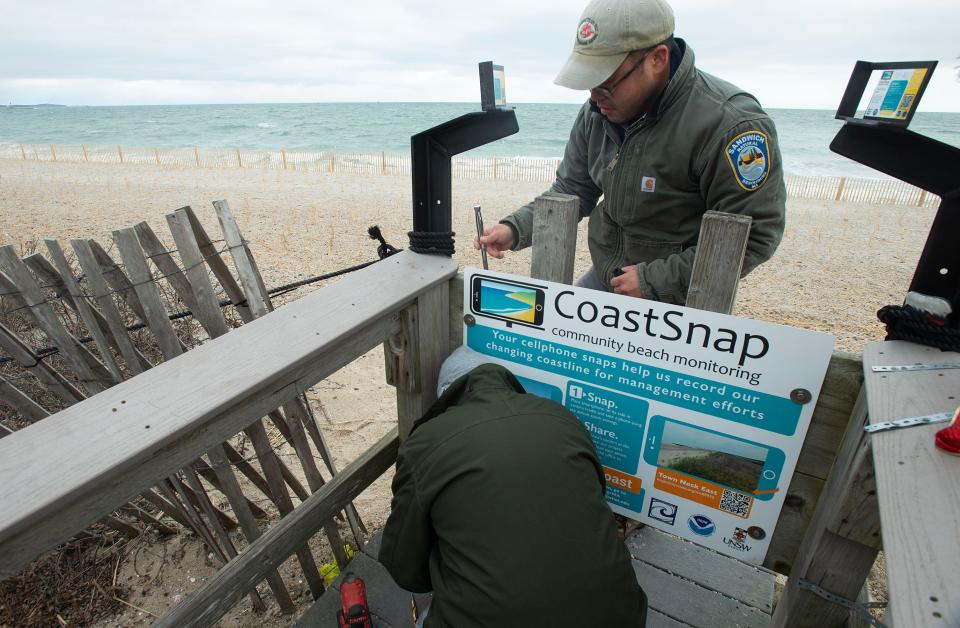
<point>431,152</point>
<point>920,161</point>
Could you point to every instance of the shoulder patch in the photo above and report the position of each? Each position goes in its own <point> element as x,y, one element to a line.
<point>749,156</point>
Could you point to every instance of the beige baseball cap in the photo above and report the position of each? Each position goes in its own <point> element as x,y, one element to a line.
<point>607,32</point>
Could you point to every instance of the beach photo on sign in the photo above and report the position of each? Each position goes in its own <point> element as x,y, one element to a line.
<point>711,456</point>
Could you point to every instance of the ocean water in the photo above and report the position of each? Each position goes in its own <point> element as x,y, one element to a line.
<point>805,134</point>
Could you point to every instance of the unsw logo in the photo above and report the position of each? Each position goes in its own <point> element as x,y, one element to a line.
<point>738,542</point>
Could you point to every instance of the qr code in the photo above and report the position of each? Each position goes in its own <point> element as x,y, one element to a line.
<point>735,503</point>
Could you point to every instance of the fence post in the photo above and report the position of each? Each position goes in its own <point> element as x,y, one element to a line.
<point>425,342</point>
<point>333,157</point>
<point>156,153</point>
<point>494,168</point>
<point>383,163</point>
<point>239,162</point>
<point>923,197</point>
<point>84,147</point>
<point>839,196</point>
<point>53,152</point>
<point>555,218</point>
<point>196,155</point>
<point>283,157</point>
<point>23,151</point>
<point>120,152</point>
<point>716,267</point>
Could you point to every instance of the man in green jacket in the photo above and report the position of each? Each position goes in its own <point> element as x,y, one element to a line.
<point>662,143</point>
<point>498,509</point>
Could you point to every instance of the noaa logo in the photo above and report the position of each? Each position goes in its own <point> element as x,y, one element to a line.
<point>662,511</point>
<point>749,156</point>
<point>701,525</point>
<point>587,31</point>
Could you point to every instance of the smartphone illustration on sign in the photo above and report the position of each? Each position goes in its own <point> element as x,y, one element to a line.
<point>731,462</point>
<point>509,301</point>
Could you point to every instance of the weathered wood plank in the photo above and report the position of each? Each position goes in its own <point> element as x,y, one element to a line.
<point>555,218</point>
<point>456,311</point>
<point>216,263</point>
<point>254,290</point>
<point>172,272</point>
<point>841,542</point>
<point>24,355</point>
<point>117,280</point>
<point>733,578</point>
<point>104,298</point>
<point>273,359</point>
<point>96,324</point>
<point>21,402</point>
<point>231,488</point>
<point>207,310</point>
<point>229,584</point>
<point>798,508</point>
<point>93,375</point>
<point>719,259</point>
<point>426,329</point>
<point>917,484</point>
<point>687,602</point>
<point>139,273</point>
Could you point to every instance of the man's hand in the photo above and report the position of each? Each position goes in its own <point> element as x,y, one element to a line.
<point>498,238</point>
<point>628,283</point>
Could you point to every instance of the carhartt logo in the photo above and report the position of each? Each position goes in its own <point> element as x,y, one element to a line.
<point>587,31</point>
<point>648,184</point>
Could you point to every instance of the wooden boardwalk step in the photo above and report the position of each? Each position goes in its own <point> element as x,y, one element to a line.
<point>689,585</point>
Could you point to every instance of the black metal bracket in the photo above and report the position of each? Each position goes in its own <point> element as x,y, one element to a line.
<point>431,153</point>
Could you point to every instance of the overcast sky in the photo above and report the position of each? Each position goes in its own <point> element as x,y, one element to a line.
<point>112,52</point>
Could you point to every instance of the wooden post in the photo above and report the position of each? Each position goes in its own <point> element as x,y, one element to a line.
<point>23,151</point>
<point>283,156</point>
<point>53,152</point>
<point>85,157</point>
<point>333,157</point>
<point>494,168</point>
<point>719,259</point>
<point>156,153</point>
<point>842,540</point>
<point>383,163</point>
<point>120,152</point>
<point>239,162</point>
<point>839,196</point>
<point>426,333</point>
<point>555,218</point>
<point>196,155</point>
<point>923,197</point>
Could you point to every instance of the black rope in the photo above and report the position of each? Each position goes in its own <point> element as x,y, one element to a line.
<point>432,242</point>
<point>905,322</point>
<point>384,251</point>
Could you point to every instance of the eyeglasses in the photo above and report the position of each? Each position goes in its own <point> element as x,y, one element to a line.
<point>607,92</point>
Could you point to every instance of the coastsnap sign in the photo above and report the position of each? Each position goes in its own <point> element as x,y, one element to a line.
<point>692,413</point>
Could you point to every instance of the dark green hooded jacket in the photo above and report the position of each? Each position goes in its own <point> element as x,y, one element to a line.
<point>498,509</point>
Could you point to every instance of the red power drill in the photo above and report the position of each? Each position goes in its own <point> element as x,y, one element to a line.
<point>354,611</point>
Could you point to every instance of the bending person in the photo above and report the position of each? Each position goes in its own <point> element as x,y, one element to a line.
<point>498,509</point>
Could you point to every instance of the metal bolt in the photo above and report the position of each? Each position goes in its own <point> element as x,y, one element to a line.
<point>469,320</point>
<point>801,396</point>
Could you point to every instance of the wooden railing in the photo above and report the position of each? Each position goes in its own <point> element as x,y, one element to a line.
<point>89,459</point>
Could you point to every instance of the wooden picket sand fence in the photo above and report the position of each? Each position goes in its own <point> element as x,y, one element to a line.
<point>160,428</point>
<point>828,188</point>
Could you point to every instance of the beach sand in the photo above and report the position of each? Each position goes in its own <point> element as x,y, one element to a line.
<point>838,263</point>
